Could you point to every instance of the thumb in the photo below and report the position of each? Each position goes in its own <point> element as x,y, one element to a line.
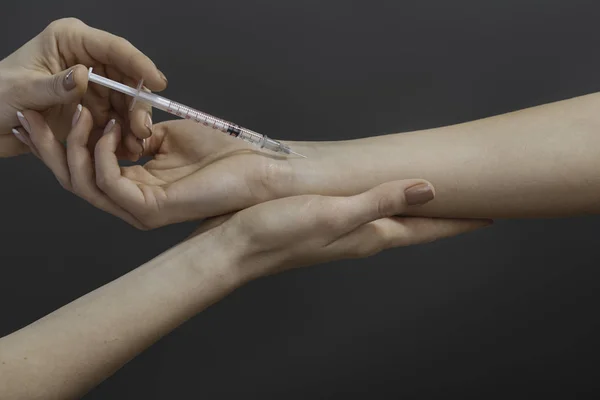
<point>62,88</point>
<point>387,200</point>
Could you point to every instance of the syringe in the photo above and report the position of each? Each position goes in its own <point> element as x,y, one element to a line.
<point>186,112</point>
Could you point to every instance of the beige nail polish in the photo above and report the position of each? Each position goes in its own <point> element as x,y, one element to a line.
<point>24,122</point>
<point>109,126</point>
<point>76,115</point>
<point>419,194</point>
<point>69,81</point>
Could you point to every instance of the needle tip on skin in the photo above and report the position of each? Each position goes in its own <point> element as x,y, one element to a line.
<point>297,154</point>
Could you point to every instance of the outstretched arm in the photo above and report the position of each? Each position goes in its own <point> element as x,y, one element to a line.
<point>66,353</point>
<point>539,162</point>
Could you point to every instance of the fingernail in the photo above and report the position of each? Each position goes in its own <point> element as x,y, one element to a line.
<point>24,121</point>
<point>109,126</point>
<point>77,114</point>
<point>163,76</point>
<point>69,81</point>
<point>19,136</point>
<point>148,123</point>
<point>143,147</point>
<point>419,194</point>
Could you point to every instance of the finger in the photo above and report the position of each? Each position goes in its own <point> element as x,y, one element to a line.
<point>382,234</point>
<point>98,100</point>
<point>109,49</point>
<point>100,91</point>
<point>118,100</point>
<point>24,137</point>
<point>385,200</point>
<point>152,144</point>
<point>134,146</point>
<point>140,120</point>
<point>63,88</point>
<point>16,144</point>
<point>140,116</point>
<point>48,148</point>
<point>121,190</point>
<point>81,167</point>
<point>129,148</point>
<point>139,124</point>
<point>23,131</point>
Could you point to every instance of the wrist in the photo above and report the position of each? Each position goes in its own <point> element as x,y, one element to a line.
<point>328,168</point>
<point>214,253</point>
<point>202,266</point>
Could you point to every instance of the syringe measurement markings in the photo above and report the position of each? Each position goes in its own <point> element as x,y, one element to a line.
<point>217,123</point>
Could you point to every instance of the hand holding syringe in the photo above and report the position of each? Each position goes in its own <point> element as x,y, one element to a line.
<point>186,112</point>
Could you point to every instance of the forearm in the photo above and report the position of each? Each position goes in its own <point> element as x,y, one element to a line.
<point>538,162</point>
<point>66,353</point>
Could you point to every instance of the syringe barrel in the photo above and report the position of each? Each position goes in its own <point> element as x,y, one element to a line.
<point>186,112</point>
<point>231,129</point>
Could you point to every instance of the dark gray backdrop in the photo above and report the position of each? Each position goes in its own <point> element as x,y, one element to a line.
<point>510,310</point>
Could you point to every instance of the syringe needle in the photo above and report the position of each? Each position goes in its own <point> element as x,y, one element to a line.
<point>298,154</point>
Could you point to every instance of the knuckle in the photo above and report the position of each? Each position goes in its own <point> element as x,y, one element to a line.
<point>64,24</point>
<point>387,205</point>
<point>56,85</point>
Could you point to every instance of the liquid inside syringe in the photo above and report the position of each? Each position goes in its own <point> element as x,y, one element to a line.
<point>186,112</point>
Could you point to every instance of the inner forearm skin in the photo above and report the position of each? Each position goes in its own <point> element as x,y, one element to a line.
<point>538,162</point>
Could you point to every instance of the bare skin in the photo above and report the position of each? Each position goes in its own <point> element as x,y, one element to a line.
<point>68,352</point>
<point>538,162</point>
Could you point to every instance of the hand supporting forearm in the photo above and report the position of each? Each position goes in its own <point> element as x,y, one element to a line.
<point>66,353</point>
<point>539,162</point>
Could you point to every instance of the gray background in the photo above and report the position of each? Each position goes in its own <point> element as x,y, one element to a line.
<point>508,311</point>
